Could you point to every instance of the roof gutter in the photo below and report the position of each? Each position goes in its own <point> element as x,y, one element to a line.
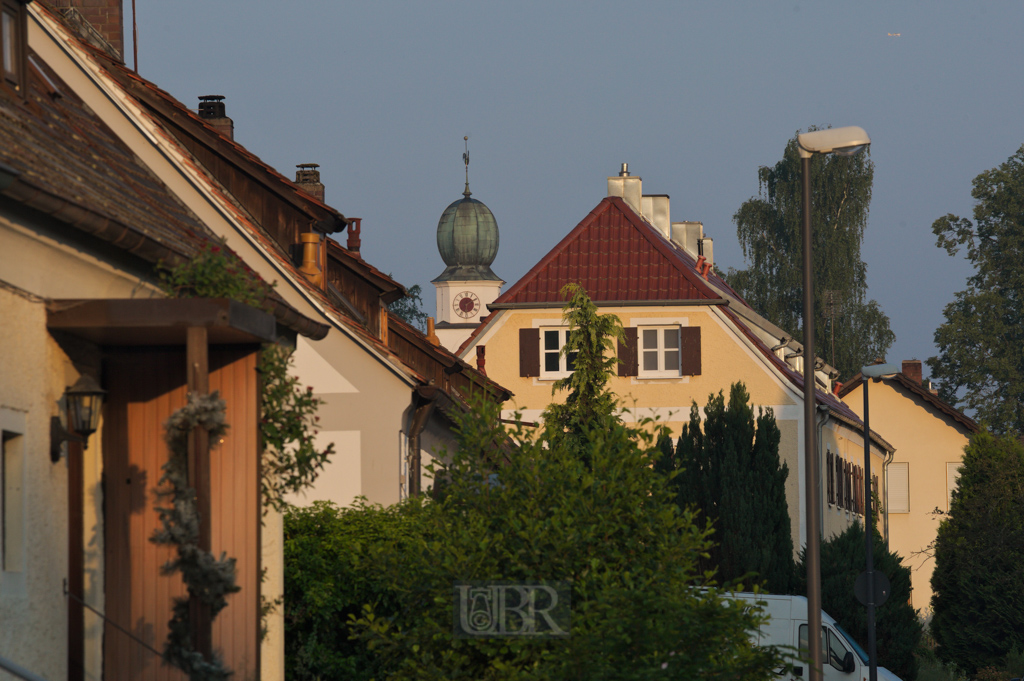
<point>613,303</point>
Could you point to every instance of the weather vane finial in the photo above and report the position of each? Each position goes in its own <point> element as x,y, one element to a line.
<point>465,159</point>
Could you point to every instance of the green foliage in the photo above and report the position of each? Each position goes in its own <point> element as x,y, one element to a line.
<point>410,308</point>
<point>898,631</point>
<point>208,580</point>
<point>330,574</point>
<point>590,335</point>
<point>609,526</point>
<point>980,365</point>
<point>978,581</point>
<point>291,460</point>
<point>215,272</point>
<point>731,474</point>
<point>768,228</point>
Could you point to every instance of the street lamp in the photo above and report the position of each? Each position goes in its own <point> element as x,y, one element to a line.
<point>867,373</point>
<point>843,142</point>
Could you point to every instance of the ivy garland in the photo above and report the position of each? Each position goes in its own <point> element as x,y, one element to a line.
<point>210,580</point>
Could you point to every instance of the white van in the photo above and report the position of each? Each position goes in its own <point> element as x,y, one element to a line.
<point>842,658</point>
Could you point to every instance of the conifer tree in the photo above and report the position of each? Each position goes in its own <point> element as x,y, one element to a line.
<point>732,475</point>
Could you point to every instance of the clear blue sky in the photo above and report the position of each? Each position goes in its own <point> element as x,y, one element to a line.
<point>695,96</point>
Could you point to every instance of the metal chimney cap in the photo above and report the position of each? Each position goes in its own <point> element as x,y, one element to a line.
<point>307,165</point>
<point>624,171</point>
<point>211,98</point>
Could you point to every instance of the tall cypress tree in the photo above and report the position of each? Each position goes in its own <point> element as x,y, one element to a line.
<point>732,475</point>
<point>768,227</point>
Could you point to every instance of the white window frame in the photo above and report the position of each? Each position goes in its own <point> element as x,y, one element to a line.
<point>12,502</point>
<point>563,360</point>
<point>662,371</point>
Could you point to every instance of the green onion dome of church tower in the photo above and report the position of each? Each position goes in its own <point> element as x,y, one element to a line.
<point>467,238</point>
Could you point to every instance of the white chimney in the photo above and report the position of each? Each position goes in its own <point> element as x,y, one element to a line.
<point>656,210</point>
<point>687,236</point>
<point>707,249</point>
<point>627,188</point>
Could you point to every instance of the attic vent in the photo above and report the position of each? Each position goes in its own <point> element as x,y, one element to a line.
<point>212,106</point>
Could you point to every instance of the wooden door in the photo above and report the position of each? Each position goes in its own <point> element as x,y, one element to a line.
<point>145,387</point>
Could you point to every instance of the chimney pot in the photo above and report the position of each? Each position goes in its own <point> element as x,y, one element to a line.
<point>912,369</point>
<point>431,335</point>
<point>355,226</point>
<point>624,170</point>
<point>481,361</point>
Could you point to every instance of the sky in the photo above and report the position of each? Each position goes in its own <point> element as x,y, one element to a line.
<point>555,95</point>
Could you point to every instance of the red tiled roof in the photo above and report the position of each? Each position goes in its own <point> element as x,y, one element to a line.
<point>615,255</point>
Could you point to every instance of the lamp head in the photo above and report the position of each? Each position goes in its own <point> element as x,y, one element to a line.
<point>840,141</point>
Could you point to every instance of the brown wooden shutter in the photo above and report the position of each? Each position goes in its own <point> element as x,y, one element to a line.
<point>689,350</point>
<point>529,352</point>
<point>628,356</point>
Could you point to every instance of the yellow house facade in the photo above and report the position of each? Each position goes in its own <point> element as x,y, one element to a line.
<point>688,336</point>
<point>929,436</point>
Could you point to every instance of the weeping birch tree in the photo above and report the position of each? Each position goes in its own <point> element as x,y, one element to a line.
<point>850,331</point>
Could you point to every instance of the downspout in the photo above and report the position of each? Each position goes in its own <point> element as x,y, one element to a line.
<point>823,417</point>
<point>885,508</point>
<point>424,399</point>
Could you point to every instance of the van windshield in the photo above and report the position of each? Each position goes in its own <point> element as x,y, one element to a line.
<point>856,647</point>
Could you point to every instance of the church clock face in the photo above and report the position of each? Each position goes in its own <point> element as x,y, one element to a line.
<point>466,304</point>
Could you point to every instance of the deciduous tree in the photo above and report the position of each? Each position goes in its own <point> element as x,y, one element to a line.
<point>980,365</point>
<point>768,227</point>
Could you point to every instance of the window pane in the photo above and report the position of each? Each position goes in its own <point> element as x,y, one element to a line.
<point>570,361</point>
<point>672,338</point>
<point>651,361</point>
<point>551,340</point>
<point>650,339</point>
<point>7,40</point>
<point>550,361</point>
<point>671,360</point>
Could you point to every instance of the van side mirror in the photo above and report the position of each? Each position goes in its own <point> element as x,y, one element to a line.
<point>848,665</point>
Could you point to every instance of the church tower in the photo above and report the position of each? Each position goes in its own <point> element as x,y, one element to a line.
<point>467,238</point>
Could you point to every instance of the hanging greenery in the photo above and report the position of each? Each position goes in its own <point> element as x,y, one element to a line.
<point>207,579</point>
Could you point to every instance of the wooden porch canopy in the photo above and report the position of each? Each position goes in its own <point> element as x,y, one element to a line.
<point>160,321</point>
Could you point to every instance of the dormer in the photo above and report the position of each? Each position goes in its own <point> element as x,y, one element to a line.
<point>14,44</point>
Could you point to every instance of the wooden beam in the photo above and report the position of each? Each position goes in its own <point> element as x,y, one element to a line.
<point>198,368</point>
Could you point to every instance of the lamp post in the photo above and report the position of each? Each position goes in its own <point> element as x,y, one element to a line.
<point>844,142</point>
<point>867,373</point>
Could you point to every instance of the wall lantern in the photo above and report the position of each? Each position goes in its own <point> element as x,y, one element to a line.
<point>84,402</point>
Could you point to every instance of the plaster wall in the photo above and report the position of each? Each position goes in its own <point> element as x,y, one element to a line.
<point>35,368</point>
<point>724,361</point>
<point>33,374</point>
<point>926,439</point>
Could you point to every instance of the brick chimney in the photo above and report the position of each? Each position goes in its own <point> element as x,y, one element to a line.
<point>308,177</point>
<point>105,16</point>
<point>912,369</point>
<point>213,111</point>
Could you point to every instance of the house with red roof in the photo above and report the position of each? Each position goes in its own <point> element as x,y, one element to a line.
<point>929,436</point>
<point>103,176</point>
<point>688,335</point>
